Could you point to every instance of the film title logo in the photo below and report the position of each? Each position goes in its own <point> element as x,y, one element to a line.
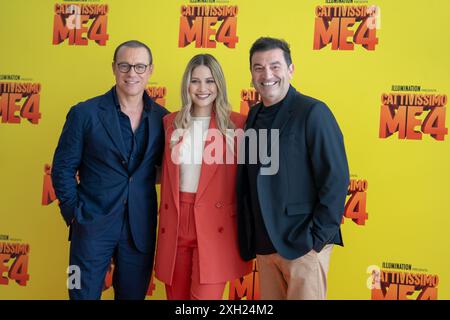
<point>249,97</point>
<point>19,100</point>
<point>335,24</point>
<point>80,23</point>
<point>400,113</point>
<point>399,285</point>
<point>158,94</point>
<point>246,287</point>
<point>207,25</point>
<point>355,207</point>
<point>14,263</point>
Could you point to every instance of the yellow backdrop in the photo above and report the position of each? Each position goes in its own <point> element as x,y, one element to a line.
<point>378,75</point>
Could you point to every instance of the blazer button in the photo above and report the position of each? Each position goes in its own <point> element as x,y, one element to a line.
<point>131,179</point>
<point>220,230</point>
<point>219,205</point>
<point>125,201</point>
<point>124,162</point>
<point>163,230</point>
<point>166,206</point>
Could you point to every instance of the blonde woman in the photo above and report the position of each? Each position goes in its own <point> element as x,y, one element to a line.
<point>197,250</point>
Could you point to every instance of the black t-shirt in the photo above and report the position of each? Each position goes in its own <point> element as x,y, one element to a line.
<point>262,242</point>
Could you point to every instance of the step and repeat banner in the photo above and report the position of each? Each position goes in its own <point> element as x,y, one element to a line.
<point>381,66</point>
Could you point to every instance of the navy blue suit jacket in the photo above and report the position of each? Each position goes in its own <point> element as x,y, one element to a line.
<point>303,203</point>
<point>91,144</point>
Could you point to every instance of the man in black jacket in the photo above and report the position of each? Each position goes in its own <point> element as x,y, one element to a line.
<point>290,218</point>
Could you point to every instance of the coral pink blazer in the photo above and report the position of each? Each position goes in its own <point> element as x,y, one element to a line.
<point>215,215</point>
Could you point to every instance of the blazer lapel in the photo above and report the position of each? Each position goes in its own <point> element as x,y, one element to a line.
<point>154,125</point>
<point>110,120</point>
<point>252,116</point>
<point>173,170</point>
<point>208,170</point>
<point>283,115</point>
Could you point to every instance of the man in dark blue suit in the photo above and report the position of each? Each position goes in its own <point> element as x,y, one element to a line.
<point>115,143</point>
<point>289,218</point>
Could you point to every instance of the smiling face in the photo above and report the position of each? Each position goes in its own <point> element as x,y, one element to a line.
<point>131,84</point>
<point>202,89</point>
<point>271,75</point>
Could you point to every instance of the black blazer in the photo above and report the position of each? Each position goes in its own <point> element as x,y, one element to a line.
<point>302,204</point>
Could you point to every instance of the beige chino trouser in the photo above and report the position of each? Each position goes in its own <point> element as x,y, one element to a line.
<point>304,278</point>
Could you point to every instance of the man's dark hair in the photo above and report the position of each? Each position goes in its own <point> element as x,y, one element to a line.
<point>267,43</point>
<point>133,44</point>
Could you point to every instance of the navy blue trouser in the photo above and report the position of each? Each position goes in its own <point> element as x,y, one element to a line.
<point>93,256</point>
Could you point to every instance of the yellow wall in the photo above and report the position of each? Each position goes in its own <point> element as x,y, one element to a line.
<point>408,210</point>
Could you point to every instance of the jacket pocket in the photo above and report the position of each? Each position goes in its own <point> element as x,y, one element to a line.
<point>293,209</point>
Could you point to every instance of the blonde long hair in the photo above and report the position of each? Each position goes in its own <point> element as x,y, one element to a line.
<point>221,106</point>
